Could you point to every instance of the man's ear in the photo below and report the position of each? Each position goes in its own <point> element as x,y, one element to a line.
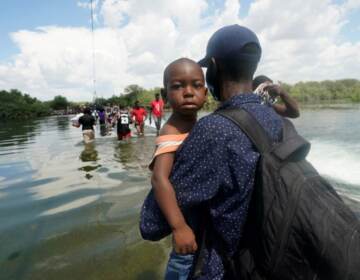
<point>163,94</point>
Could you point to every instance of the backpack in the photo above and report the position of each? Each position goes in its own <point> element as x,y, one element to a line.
<point>298,227</point>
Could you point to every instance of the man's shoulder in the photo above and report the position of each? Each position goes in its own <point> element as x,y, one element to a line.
<point>214,121</point>
<point>216,126</point>
<point>212,126</point>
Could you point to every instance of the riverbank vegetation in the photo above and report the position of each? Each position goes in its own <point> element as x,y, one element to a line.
<point>307,93</point>
<point>15,104</point>
<point>340,91</point>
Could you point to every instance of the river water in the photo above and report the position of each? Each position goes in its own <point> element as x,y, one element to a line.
<point>69,211</point>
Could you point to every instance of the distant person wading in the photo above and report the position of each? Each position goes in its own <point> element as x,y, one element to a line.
<point>138,115</point>
<point>157,110</point>
<point>87,121</point>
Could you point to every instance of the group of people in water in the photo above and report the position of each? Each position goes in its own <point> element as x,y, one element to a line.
<point>120,117</point>
<point>204,171</point>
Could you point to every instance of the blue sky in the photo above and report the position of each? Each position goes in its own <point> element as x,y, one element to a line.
<point>16,15</point>
<point>21,14</point>
<point>134,40</point>
<point>29,14</point>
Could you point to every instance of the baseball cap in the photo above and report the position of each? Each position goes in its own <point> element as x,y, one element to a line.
<point>228,41</point>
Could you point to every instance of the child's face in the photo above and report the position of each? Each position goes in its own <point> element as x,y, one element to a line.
<point>185,88</point>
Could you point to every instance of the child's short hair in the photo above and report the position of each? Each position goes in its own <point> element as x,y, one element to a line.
<point>177,61</point>
<point>259,80</point>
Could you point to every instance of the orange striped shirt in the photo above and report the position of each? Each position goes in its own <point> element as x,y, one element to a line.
<point>167,144</point>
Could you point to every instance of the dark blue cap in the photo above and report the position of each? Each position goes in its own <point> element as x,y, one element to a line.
<point>228,41</point>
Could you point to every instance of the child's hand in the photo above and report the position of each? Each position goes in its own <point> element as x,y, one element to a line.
<point>184,240</point>
<point>273,90</point>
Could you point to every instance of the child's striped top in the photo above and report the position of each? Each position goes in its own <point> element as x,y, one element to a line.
<point>167,144</point>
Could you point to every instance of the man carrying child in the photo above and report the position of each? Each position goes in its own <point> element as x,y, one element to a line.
<point>215,167</point>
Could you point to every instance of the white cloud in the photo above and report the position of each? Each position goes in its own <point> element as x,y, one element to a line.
<point>351,5</point>
<point>87,5</point>
<point>300,40</point>
<point>55,60</point>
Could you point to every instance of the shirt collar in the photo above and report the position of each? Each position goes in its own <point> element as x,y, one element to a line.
<point>239,100</point>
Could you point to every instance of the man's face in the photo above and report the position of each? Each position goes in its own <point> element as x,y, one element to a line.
<point>186,91</point>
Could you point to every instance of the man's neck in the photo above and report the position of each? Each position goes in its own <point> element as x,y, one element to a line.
<point>230,89</point>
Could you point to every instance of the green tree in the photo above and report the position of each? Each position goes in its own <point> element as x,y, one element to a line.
<point>59,102</point>
<point>132,93</point>
<point>14,104</point>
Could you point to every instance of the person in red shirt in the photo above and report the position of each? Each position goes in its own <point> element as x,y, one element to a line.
<point>157,107</point>
<point>138,114</point>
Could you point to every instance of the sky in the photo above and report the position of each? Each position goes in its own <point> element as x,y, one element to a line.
<point>47,47</point>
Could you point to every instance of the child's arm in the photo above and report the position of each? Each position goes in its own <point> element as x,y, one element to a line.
<point>183,236</point>
<point>290,107</point>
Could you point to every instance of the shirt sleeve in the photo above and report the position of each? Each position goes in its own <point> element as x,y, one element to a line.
<point>195,175</point>
<point>194,178</point>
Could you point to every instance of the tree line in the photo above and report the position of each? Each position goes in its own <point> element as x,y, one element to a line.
<point>15,104</point>
<point>346,91</point>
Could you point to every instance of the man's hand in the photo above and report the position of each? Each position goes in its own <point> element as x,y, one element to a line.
<point>184,240</point>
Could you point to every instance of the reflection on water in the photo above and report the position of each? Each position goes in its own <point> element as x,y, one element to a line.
<point>136,153</point>
<point>70,211</point>
<point>103,130</point>
<point>89,153</point>
<point>95,251</point>
<point>62,123</point>
<point>17,133</point>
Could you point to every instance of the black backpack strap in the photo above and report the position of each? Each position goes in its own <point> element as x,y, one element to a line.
<point>250,126</point>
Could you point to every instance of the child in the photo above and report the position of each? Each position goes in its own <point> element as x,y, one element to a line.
<point>184,89</point>
<point>264,87</point>
<point>123,122</point>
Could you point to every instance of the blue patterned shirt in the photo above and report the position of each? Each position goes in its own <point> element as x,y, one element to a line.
<point>215,167</point>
